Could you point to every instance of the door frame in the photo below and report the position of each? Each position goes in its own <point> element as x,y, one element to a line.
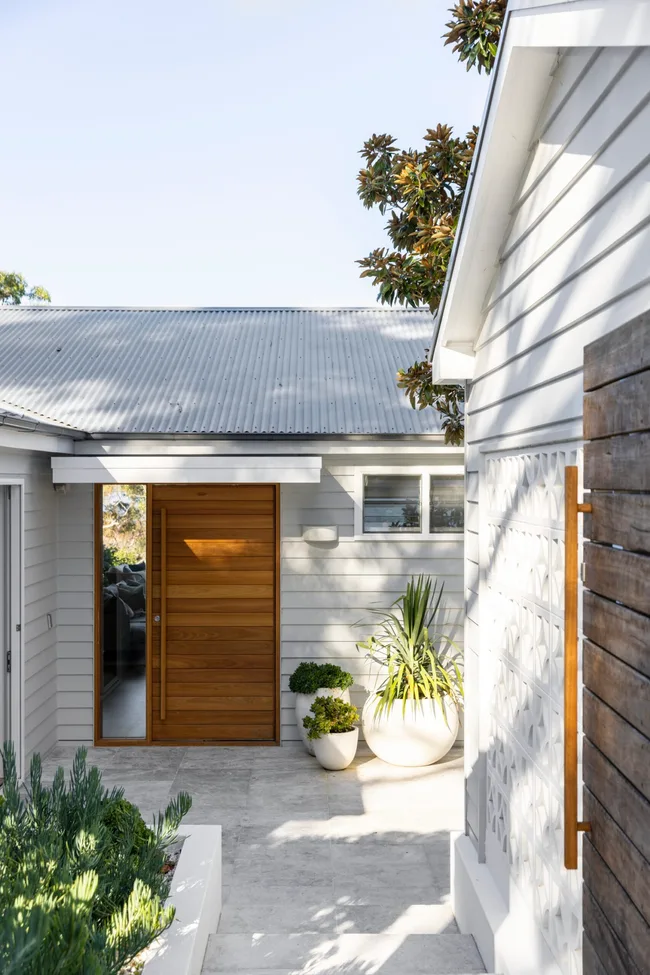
<point>16,562</point>
<point>99,741</point>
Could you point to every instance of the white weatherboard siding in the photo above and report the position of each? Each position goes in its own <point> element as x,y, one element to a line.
<point>574,266</point>
<point>325,586</point>
<point>75,630</point>
<point>40,597</point>
<point>328,586</point>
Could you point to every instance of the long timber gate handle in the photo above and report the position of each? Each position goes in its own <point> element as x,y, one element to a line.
<point>572,825</point>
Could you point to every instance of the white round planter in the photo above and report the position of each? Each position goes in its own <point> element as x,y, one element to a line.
<point>419,736</point>
<point>335,752</point>
<point>303,708</point>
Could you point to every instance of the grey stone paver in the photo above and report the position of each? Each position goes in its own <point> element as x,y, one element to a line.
<point>344,872</point>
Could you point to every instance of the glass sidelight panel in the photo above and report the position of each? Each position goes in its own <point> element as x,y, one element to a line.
<point>123,683</point>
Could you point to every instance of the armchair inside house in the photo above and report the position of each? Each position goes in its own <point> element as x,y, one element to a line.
<point>123,656</point>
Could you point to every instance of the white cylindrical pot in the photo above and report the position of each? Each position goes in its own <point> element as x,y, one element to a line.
<point>418,736</point>
<point>303,708</point>
<point>335,752</point>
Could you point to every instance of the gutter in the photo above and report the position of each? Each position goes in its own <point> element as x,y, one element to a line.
<point>38,426</point>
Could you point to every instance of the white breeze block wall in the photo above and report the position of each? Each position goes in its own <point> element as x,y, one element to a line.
<point>572,267</point>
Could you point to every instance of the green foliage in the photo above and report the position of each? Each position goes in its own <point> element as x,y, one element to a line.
<point>309,676</point>
<point>423,190</point>
<point>14,289</point>
<point>331,675</point>
<point>304,679</point>
<point>421,391</point>
<point>475,30</point>
<point>331,716</point>
<point>418,660</point>
<point>124,521</point>
<point>81,884</point>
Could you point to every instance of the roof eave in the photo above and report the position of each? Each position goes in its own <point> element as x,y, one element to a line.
<point>520,82</point>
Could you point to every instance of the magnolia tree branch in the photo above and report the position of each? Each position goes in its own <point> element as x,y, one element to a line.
<point>422,192</point>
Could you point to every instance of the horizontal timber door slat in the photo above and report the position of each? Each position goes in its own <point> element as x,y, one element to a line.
<point>616,652</point>
<point>222,622</point>
<point>196,591</point>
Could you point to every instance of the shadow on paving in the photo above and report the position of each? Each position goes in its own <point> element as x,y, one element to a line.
<point>323,872</point>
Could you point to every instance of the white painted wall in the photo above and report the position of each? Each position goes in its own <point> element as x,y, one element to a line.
<point>75,630</point>
<point>573,267</point>
<point>40,596</point>
<point>327,587</point>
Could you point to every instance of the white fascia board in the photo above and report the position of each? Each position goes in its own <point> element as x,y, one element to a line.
<point>534,33</point>
<point>522,83</point>
<point>34,442</point>
<point>452,365</point>
<point>186,470</point>
<point>251,448</point>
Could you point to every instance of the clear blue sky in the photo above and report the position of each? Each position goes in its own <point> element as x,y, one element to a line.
<point>205,152</point>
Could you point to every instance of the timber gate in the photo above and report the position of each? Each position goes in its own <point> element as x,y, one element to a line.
<point>616,653</point>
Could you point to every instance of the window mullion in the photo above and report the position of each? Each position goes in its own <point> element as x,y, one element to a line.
<point>426,501</point>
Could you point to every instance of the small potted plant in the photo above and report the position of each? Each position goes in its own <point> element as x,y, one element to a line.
<point>311,680</point>
<point>332,728</point>
<point>412,718</point>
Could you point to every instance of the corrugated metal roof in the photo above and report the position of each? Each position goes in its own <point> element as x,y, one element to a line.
<point>214,370</point>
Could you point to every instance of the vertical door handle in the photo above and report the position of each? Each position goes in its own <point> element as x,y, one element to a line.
<point>163,613</point>
<point>572,826</point>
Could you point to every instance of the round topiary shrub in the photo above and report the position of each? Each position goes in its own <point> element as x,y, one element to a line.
<point>304,679</point>
<point>309,676</point>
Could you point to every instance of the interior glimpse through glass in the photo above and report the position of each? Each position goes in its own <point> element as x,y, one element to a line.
<point>123,696</point>
<point>447,504</point>
<point>391,503</point>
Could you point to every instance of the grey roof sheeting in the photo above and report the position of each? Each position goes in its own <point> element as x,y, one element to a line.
<point>220,371</point>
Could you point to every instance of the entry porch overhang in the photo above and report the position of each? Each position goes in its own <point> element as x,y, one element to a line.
<point>170,469</point>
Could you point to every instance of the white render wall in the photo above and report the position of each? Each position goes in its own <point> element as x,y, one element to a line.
<point>325,587</point>
<point>40,596</point>
<point>573,267</point>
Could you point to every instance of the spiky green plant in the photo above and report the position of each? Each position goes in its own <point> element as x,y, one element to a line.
<point>417,657</point>
<point>82,890</point>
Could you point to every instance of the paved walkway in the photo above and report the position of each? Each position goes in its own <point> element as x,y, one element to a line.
<point>324,872</point>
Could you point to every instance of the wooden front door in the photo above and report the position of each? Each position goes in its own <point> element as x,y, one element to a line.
<point>616,649</point>
<point>215,613</point>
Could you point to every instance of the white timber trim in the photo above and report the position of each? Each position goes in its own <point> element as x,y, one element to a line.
<point>269,448</point>
<point>186,470</point>
<point>425,474</point>
<point>17,615</point>
<point>18,439</point>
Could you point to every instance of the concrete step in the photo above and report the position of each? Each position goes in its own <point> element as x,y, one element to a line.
<point>313,910</point>
<point>344,954</point>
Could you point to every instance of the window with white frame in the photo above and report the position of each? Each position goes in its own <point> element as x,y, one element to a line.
<point>446,504</point>
<point>407,502</point>
<point>392,503</point>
